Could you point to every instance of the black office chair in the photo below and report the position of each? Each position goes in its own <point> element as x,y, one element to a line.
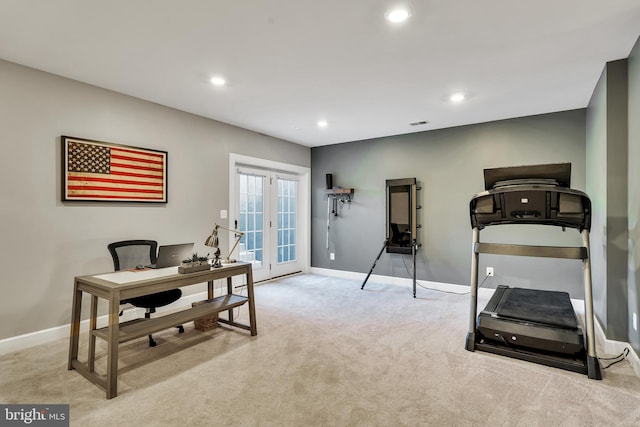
<point>402,238</point>
<point>132,253</point>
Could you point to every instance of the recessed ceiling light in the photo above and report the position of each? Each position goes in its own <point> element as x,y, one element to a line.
<point>218,81</point>
<point>457,97</point>
<point>397,15</point>
<point>323,124</point>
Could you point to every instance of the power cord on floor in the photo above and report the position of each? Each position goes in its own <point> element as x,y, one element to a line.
<point>617,359</point>
<point>440,290</point>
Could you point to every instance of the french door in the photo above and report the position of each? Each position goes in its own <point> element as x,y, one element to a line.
<point>268,210</point>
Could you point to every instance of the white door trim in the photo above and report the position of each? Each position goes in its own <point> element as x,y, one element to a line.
<point>261,271</point>
<point>304,174</point>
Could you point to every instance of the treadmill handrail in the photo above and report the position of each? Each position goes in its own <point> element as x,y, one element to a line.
<point>567,252</point>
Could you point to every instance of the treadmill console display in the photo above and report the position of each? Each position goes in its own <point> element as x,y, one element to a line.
<point>537,194</point>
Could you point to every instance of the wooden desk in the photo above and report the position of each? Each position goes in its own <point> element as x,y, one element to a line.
<point>121,285</point>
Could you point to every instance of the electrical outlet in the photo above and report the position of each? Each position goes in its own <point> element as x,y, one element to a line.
<point>489,271</point>
<point>635,322</point>
<point>332,256</point>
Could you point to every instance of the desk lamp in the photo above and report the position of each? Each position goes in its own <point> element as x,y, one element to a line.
<point>213,242</point>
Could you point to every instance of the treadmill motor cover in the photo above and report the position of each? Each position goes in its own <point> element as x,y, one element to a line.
<point>534,319</point>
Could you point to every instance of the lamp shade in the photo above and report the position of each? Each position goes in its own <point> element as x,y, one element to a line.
<point>213,240</point>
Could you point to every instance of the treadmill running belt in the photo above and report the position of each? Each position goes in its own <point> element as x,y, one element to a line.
<point>546,307</point>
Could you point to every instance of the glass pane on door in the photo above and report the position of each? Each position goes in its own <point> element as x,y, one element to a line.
<point>287,203</point>
<point>251,216</point>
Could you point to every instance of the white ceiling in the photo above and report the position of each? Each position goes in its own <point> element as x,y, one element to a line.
<point>290,63</point>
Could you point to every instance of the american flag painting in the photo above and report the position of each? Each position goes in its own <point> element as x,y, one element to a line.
<point>94,170</point>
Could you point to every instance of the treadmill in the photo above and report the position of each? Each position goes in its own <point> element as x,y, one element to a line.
<point>539,326</point>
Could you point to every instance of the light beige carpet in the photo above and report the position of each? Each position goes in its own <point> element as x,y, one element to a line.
<point>326,354</point>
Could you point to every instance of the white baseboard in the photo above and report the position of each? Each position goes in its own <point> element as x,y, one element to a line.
<point>616,347</point>
<point>402,281</point>
<point>21,342</point>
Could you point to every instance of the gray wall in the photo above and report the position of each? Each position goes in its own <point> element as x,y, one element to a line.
<point>448,164</point>
<point>634,195</point>
<point>45,243</point>
<point>597,187</point>
<point>607,125</point>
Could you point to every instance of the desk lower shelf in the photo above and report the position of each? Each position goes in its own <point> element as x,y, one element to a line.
<point>141,327</point>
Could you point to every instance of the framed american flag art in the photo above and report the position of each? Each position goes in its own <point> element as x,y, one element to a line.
<point>102,171</point>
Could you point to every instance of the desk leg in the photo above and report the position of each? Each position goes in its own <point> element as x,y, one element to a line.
<point>75,325</point>
<point>210,289</point>
<point>112,346</point>
<point>91,359</point>
<point>252,304</point>
<point>229,292</point>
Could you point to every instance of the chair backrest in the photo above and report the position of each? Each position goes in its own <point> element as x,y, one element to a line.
<point>131,253</point>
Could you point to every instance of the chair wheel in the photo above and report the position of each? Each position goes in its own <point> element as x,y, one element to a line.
<point>152,342</point>
<point>180,329</point>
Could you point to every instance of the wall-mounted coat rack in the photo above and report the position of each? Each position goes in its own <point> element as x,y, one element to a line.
<point>339,194</point>
<point>334,196</point>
